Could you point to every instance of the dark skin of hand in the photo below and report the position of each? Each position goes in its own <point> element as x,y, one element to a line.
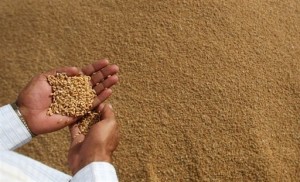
<point>34,100</point>
<point>98,145</point>
<point>102,139</point>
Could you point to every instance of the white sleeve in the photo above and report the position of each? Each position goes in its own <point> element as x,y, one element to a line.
<point>96,171</point>
<point>15,167</point>
<point>13,133</point>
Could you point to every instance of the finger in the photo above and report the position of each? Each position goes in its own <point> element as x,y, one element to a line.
<point>104,73</point>
<point>100,107</point>
<point>56,121</point>
<point>107,83</point>
<point>76,136</point>
<point>74,130</point>
<point>77,139</point>
<point>94,67</point>
<point>70,71</point>
<point>107,121</point>
<point>107,113</point>
<point>108,124</point>
<point>102,97</point>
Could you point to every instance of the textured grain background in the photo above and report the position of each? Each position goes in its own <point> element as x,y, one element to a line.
<point>209,90</point>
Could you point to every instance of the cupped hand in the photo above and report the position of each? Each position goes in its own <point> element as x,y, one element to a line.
<point>34,100</point>
<point>99,143</point>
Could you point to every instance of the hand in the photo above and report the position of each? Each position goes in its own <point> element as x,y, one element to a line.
<point>98,145</point>
<point>34,100</point>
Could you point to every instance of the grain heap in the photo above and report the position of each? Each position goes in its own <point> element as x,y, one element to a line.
<point>73,96</point>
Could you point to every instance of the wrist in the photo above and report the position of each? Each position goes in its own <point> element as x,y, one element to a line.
<point>96,158</point>
<point>21,117</point>
<point>90,159</point>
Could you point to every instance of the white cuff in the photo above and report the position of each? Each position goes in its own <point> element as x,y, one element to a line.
<point>96,171</point>
<point>13,133</point>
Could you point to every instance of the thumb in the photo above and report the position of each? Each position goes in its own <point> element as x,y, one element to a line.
<point>74,130</point>
<point>70,71</point>
<point>107,112</point>
<point>76,136</point>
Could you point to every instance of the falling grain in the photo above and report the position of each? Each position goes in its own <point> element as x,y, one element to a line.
<point>87,121</point>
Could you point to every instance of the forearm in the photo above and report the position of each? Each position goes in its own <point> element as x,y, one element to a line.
<point>13,133</point>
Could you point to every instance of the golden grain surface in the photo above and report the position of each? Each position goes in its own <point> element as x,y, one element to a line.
<point>71,96</point>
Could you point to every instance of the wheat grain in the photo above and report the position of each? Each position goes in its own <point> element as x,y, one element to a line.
<point>71,96</point>
<point>86,122</point>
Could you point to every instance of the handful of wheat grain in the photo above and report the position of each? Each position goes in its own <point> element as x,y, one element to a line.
<point>73,96</point>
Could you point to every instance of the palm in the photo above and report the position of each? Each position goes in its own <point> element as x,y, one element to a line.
<point>99,143</point>
<point>34,100</point>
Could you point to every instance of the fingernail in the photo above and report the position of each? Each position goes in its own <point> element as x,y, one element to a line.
<point>110,106</point>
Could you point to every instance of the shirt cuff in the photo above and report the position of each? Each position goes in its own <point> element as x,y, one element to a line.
<point>13,133</point>
<point>96,171</point>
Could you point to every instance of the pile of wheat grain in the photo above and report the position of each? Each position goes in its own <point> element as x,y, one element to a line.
<point>73,96</point>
